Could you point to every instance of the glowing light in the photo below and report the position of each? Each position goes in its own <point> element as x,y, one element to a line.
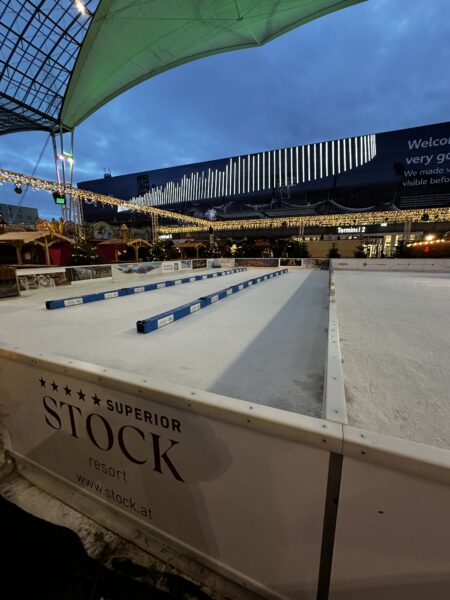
<point>429,238</point>
<point>80,7</point>
<point>196,225</point>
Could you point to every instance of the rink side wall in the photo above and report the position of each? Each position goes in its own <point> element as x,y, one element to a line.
<point>286,506</point>
<point>32,280</point>
<point>392,264</point>
<point>334,407</point>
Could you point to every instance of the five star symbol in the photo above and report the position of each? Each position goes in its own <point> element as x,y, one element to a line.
<point>68,391</point>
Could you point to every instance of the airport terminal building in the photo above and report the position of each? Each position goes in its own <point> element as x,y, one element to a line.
<point>397,170</point>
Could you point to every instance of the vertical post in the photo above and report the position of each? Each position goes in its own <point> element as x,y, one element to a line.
<point>19,254</point>
<point>72,210</point>
<point>407,231</point>
<point>58,174</point>
<point>47,254</point>
<point>155,226</point>
<point>67,209</point>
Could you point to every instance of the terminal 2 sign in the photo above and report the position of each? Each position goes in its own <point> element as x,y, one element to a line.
<point>361,229</point>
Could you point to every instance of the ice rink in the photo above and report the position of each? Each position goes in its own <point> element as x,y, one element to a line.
<point>395,342</point>
<point>264,345</point>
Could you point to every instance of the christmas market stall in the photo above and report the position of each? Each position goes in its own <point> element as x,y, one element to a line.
<point>44,248</point>
<point>123,250</point>
<point>190,248</point>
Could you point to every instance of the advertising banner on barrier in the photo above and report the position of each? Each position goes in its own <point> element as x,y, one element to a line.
<point>42,278</point>
<point>185,264</point>
<point>244,494</point>
<point>93,272</point>
<point>171,266</point>
<point>290,262</point>
<point>226,263</point>
<point>256,262</point>
<point>199,263</point>
<point>123,271</point>
<point>316,263</point>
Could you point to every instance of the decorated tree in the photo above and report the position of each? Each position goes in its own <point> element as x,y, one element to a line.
<point>213,250</point>
<point>360,252</point>
<point>157,251</point>
<point>297,249</point>
<point>83,252</point>
<point>333,252</point>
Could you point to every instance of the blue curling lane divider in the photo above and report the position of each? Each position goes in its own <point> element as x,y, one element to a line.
<point>165,318</point>
<point>52,304</point>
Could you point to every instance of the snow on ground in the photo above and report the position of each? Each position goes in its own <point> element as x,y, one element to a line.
<point>265,344</point>
<point>395,343</point>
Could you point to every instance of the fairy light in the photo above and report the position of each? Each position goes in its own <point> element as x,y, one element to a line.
<point>337,220</point>
<point>19,179</point>
<point>197,225</point>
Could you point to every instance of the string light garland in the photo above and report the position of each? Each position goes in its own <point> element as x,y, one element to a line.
<point>50,186</point>
<point>197,225</point>
<point>336,220</point>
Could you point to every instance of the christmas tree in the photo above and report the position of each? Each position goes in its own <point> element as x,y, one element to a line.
<point>157,251</point>
<point>334,252</point>
<point>84,253</point>
<point>297,249</point>
<point>360,252</point>
<point>213,250</point>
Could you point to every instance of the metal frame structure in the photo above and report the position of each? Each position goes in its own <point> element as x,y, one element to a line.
<point>58,64</point>
<point>39,44</point>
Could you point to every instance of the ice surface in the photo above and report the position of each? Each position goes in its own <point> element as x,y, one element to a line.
<point>265,344</point>
<point>395,341</point>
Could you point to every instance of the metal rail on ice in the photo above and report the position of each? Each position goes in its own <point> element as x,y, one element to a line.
<point>165,318</point>
<point>65,302</point>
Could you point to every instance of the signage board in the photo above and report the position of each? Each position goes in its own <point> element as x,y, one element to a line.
<point>223,484</point>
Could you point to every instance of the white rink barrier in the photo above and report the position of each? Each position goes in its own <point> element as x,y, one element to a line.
<point>284,505</point>
<point>334,405</point>
<point>37,279</point>
<point>392,536</point>
<point>238,487</point>
<point>439,265</point>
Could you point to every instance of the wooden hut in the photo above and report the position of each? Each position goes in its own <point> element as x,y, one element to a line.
<point>111,250</point>
<point>36,248</point>
<point>189,247</point>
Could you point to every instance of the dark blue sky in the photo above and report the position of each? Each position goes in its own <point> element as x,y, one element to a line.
<point>376,66</point>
